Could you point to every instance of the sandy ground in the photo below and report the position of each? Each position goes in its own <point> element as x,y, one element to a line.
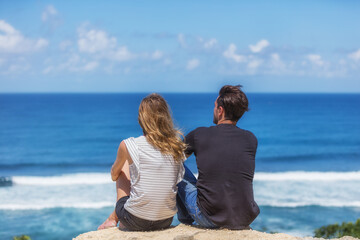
<point>183,232</point>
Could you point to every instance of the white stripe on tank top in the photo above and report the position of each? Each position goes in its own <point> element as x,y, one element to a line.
<point>153,177</point>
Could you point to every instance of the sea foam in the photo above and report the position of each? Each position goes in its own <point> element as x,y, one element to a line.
<point>96,190</point>
<point>314,203</point>
<point>307,176</point>
<point>66,179</point>
<point>105,178</point>
<point>88,205</point>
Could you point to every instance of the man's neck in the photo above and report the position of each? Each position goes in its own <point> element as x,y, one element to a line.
<point>226,121</point>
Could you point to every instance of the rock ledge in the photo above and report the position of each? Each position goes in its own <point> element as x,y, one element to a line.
<point>183,232</point>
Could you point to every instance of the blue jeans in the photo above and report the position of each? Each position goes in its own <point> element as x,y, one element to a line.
<point>188,211</point>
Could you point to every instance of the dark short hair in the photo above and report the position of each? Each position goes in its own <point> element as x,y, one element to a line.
<point>234,102</point>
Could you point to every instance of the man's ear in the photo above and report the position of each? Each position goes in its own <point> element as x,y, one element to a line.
<point>221,111</point>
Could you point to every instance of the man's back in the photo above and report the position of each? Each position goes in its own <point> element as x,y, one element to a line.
<point>225,156</point>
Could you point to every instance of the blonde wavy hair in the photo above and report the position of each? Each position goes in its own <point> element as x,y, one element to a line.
<point>156,122</point>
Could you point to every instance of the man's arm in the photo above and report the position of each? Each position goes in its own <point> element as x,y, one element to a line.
<point>253,140</point>
<point>190,142</point>
<point>121,157</point>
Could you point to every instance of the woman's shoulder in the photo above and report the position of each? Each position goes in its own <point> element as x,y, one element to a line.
<point>134,142</point>
<point>135,139</point>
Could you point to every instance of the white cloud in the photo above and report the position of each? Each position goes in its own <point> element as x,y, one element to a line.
<point>276,64</point>
<point>258,47</point>
<point>315,59</point>
<point>121,54</point>
<point>181,40</point>
<point>275,57</point>
<point>48,13</point>
<point>157,55</point>
<point>12,41</point>
<point>230,54</point>
<point>65,45</point>
<point>7,28</point>
<point>355,55</point>
<point>48,70</point>
<point>92,41</point>
<point>254,64</point>
<point>74,63</point>
<point>51,18</point>
<point>98,42</point>
<point>15,66</point>
<point>192,64</point>
<point>90,66</point>
<point>342,62</point>
<point>41,43</point>
<point>210,43</point>
<point>276,61</point>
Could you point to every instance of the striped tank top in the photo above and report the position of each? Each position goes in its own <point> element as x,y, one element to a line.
<point>153,177</point>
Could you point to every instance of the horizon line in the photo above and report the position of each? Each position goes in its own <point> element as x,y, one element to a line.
<point>165,92</point>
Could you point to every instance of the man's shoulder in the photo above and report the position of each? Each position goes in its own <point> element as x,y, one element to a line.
<point>249,133</point>
<point>199,129</point>
<point>246,134</point>
<point>251,136</point>
<point>215,128</point>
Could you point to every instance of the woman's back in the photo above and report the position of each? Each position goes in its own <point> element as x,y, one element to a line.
<point>147,170</point>
<point>153,181</point>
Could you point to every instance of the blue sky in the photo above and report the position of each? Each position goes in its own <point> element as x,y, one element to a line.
<point>182,46</point>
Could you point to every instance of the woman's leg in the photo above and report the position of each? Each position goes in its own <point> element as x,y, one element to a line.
<point>122,190</point>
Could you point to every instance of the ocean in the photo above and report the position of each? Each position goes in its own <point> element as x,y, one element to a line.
<point>56,151</point>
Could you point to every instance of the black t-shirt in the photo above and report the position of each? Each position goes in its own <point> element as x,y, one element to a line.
<point>225,157</point>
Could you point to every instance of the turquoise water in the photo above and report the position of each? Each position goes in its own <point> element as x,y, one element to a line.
<point>57,149</point>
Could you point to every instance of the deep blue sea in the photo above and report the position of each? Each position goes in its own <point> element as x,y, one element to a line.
<point>57,151</point>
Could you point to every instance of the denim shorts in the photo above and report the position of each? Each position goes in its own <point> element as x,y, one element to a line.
<point>134,223</point>
<point>186,202</point>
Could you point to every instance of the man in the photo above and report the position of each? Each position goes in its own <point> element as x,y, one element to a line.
<point>222,196</point>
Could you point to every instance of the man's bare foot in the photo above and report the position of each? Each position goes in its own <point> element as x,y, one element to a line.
<point>108,224</point>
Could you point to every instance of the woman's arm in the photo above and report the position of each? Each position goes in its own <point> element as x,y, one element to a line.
<point>121,157</point>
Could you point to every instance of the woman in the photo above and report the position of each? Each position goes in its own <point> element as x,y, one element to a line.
<point>146,171</point>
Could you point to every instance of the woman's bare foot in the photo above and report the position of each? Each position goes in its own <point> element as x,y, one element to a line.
<point>108,224</point>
